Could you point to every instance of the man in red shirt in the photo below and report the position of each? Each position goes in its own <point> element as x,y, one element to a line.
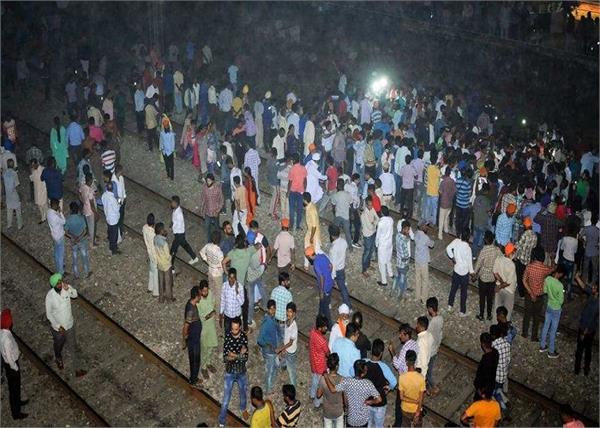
<point>296,187</point>
<point>533,281</point>
<point>374,198</point>
<point>318,350</point>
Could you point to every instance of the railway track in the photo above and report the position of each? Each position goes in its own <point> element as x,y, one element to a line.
<point>138,386</point>
<point>80,412</point>
<point>374,317</point>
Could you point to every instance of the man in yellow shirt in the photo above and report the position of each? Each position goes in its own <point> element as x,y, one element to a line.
<point>484,413</point>
<point>433,190</point>
<point>412,389</point>
<point>312,238</point>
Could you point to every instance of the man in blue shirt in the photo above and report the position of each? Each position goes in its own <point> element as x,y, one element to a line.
<point>268,338</point>
<point>54,180</point>
<point>75,137</point>
<point>347,351</point>
<point>323,271</point>
<point>167,148</point>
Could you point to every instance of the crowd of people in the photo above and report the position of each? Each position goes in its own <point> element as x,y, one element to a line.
<point>524,213</point>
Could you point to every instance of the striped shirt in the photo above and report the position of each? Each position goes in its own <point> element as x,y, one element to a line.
<point>252,161</point>
<point>376,116</point>
<point>290,416</point>
<point>109,158</point>
<point>282,297</point>
<point>463,193</point>
<point>399,360</point>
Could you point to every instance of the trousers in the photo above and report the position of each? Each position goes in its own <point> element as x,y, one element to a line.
<point>384,260</point>
<point>69,338</point>
<point>13,378</point>
<point>239,221</point>
<point>9,217</point>
<point>153,278</point>
<point>421,281</point>
<point>443,222</point>
<point>532,314</point>
<point>585,342</point>
<point>180,241</point>
<point>368,248</point>
<point>165,285</point>
<point>194,358</point>
<point>486,297</point>
<point>169,165</point>
<point>462,282</point>
<point>507,299</point>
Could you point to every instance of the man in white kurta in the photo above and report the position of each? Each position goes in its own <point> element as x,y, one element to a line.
<point>383,242</point>
<point>312,180</point>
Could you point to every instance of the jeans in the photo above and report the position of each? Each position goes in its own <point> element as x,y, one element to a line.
<point>486,297</point>
<point>169,165</point>
<point>376,416</point>
<point>499,395</point>
<point>193,347</point>
<point>251,299</point>
<point>399,286</point>
<point>59,255</point>
<point>430,211</point>
<point>212,224</point>
<point>113,235</point>
<point>368,248</point>
<point>230,379</point>
<point>82,248</point>
<point>68,337</point>
<point>569,273</point>
<point>334,423</point>
<point>295,210</point>
<point>291,362</point>
<point>354,225</point>
<point>429,377</point>
<point>340,280</point>
<point>398,182</point>
<point>585,341</point>
<point>478,233</point>
<point>463,219</point>
<point>550,326</point>
<point>270,370</point>
<point>312,393</point>
<point>345,224</point>
<point>461,281</point>
<point>324,304</point>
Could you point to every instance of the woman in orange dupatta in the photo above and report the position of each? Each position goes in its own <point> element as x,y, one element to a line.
<point>251,193</point>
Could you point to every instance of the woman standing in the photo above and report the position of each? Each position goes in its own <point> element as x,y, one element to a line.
<point>59,145</point>
<point>251,193</point>
<point>208,337</point>
<point>40,195</point>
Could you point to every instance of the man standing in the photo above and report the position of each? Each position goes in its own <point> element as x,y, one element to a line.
<point>588,324</point>
<point>500,344</point>
<point>111,212</point>
<point>75,137</point>
<point>506,279</point>
<point>208,337</point>
<point>383,242</point>
<point>13,202</point>
<point>212,254</point>
<point>527,242</point>
<point>323,272</point>
<point>318,352</point>
<point>56,222</point>
<point>312,237</point>
<point>402,258</point>
<point>268,341</point>
<point>342,202</point>
<point>240,200</point>
<point>178,227</point>
<point>346,349</point>
<point>423,243</point>
<point>411,388</point>
<point>384,380</point>
<point>556,294</point>
<point>232,299</point>
<point>58,312</point>
<point>163,264</point>
<point>296,187</point>
<point>352,188</point>
<point>485,377</point>
<point>432,178</point>
<point>75,230</point>
<point>337,255</point>
<point>408,176</point>
<point>424,343</point>
<point>447,192</point>
<point>459,251</point>
<point>138,99</point>
<point>252,161</point>
<point>211,203</point>
<point>10,363</point>
<point>484,273</point>
<point>192,329</point>
<point>235,355</point>
<point>399,362</point>
<point>149,233</point>
<point>284,246</point>
<point>436,326</point>
<point>151,122</point>
<point>54,181</point>
<point>282,296</point>
<point>119,179</point>
<point>533,281</point>
<point>504,225</point>
<point>464,187</point>
<point>368,222</point>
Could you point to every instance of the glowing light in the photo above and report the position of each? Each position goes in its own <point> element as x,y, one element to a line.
<point>523,121</point>
<point>379,85</point>
<point>495,117</point>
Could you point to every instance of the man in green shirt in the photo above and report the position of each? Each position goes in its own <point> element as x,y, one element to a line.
<point>555,291</point>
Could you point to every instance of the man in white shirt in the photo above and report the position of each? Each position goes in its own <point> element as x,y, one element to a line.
<point>383,242</point>
<point>279,144</point>
<point>399,162</point>
<point>119,179</point>
<point>10,357</point>
<point>313,186</point>
<point>459,251</point>
<point>337,256</point>
<point>213,256</point>
<point>365,111</point>
<point>309,134</point>
<point>178,227</point>
<point>352,188</point>
<point>368,225</point>
<point>58,312</point>
<point>225,100</point>
<point>56,221</point>
<point>424,343</point>
<point>149,233</point>
<point>436,326</point>
<point>388,186</point>
<point>112,214</point>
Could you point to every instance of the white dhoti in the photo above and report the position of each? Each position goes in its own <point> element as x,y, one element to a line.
<point>384,260</point>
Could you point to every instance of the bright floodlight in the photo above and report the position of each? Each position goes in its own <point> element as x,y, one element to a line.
<point>379,85</point>
<point>524,122</point>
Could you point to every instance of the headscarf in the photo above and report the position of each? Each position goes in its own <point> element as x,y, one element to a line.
<point>6,320</point>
